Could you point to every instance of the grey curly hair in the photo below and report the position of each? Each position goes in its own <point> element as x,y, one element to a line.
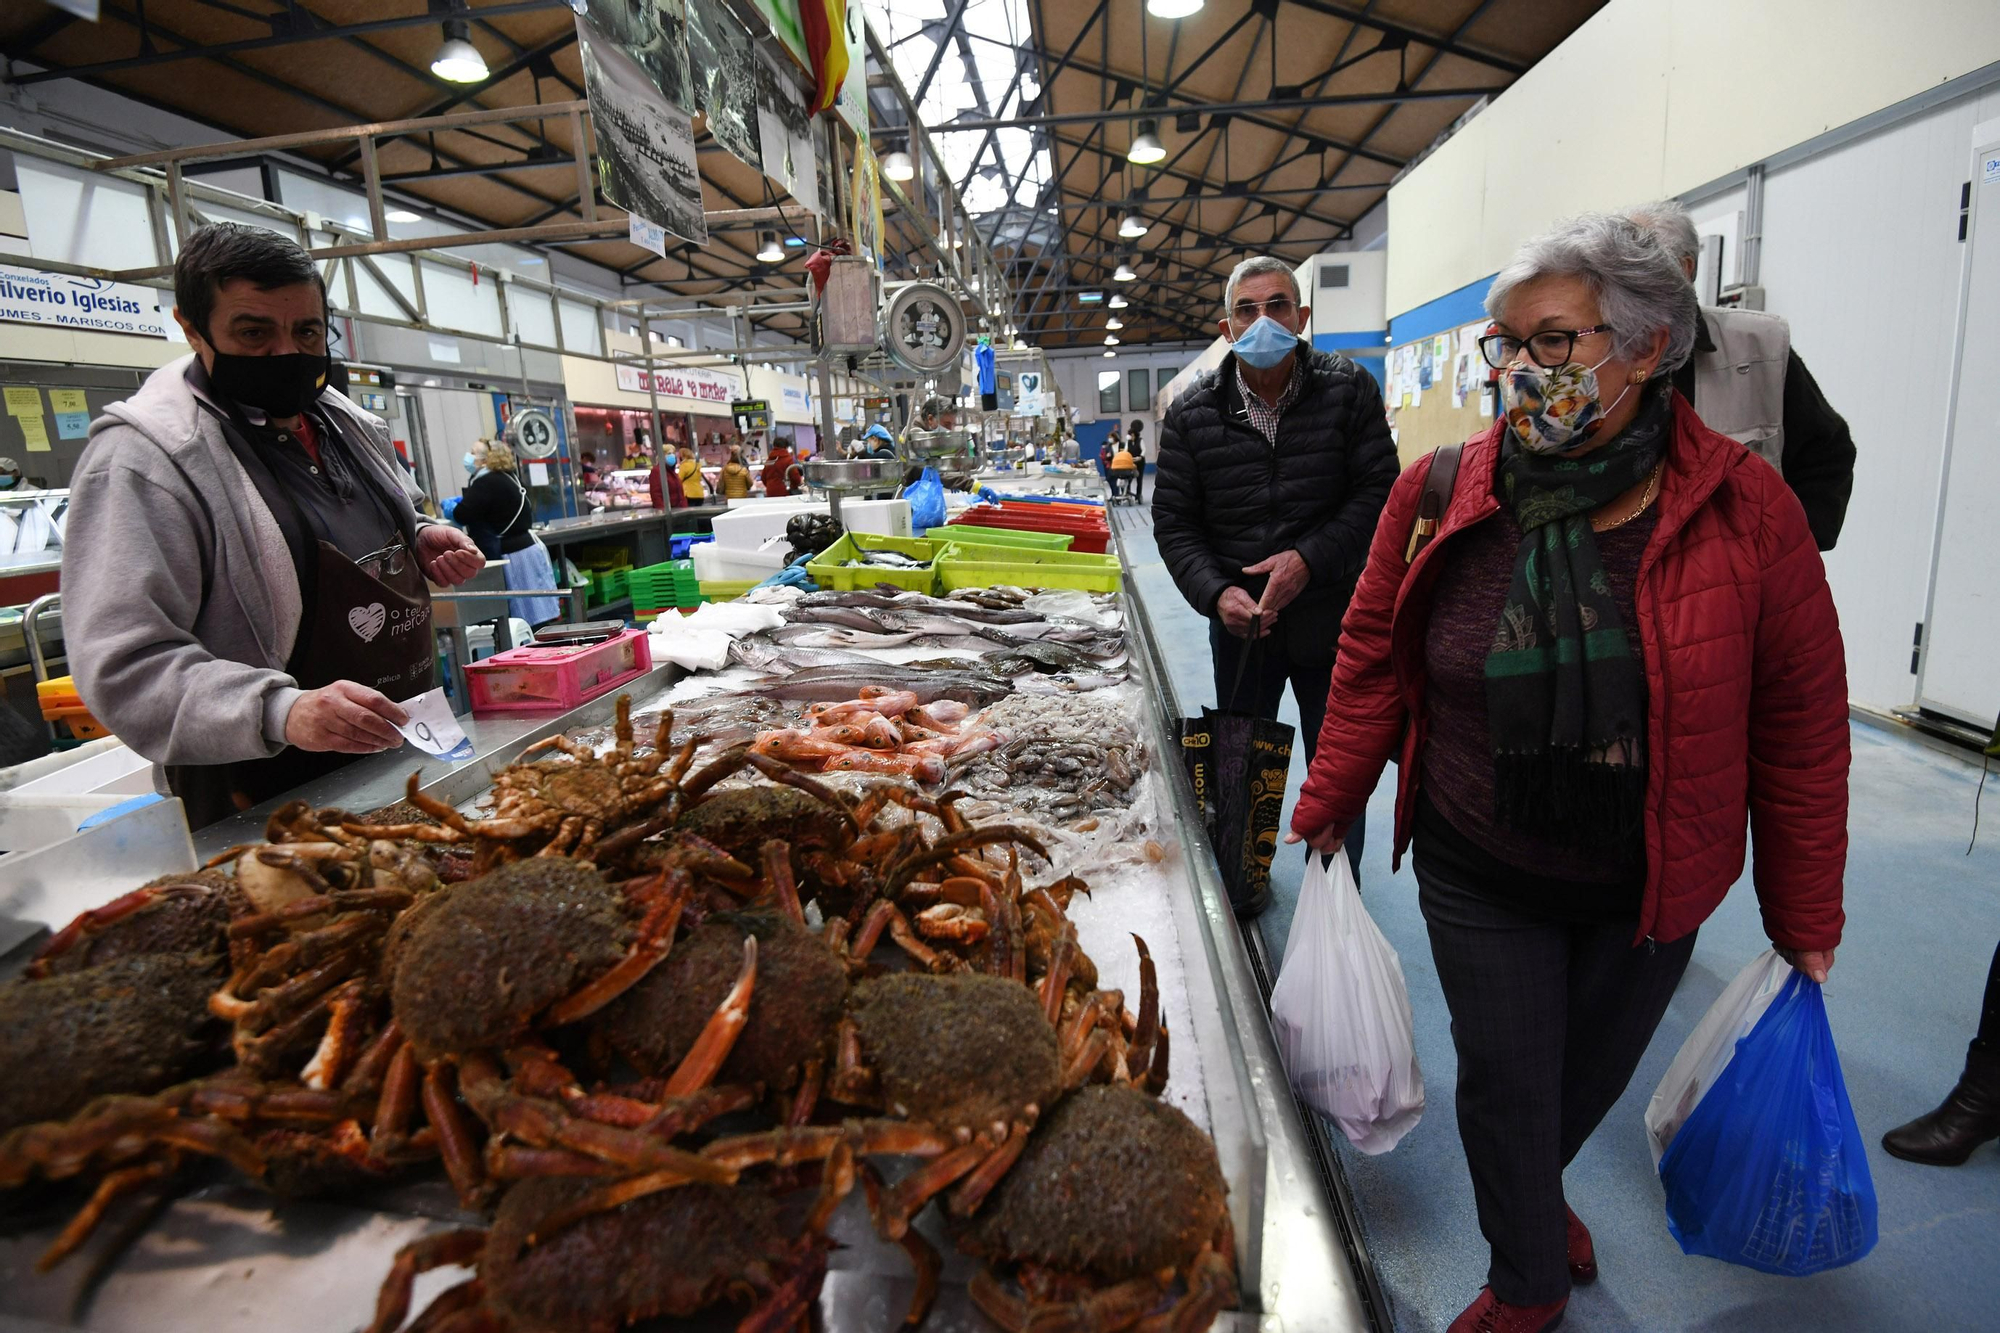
<point>1639,287</point>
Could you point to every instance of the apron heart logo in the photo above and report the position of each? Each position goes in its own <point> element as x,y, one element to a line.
<point>367,621</point>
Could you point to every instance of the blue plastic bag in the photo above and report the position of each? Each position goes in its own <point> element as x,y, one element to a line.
<point>1769,1171</point>
<point>926,497</point>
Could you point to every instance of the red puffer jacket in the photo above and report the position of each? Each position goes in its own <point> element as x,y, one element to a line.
<point>1746,682</point>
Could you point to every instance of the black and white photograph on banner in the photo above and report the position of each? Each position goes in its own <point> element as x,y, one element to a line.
<point>723,63</point>
<point>654,33</point>
<point>784,133</point>
<point>645,145</point>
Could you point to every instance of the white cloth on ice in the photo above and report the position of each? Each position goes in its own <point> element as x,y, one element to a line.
<point>674,640</point>
<point>735,619</point>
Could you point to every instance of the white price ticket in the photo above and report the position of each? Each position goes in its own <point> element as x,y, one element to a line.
<point>433,729</point>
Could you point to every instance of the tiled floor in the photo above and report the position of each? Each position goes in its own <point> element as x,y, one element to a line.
<point>1922,921</point>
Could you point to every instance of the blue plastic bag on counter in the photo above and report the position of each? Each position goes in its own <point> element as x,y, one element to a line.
<point>926,497</point>
<point>1769,1171</point>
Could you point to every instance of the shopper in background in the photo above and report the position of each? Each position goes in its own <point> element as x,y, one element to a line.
<point>11,480</point>
<point>1135,440</point>
<point>692,482</point>
<point>1749,384</point>
<point>496,513</point>
<point>1970,1112</point>
<point>665,485</point>
<point>586,471</point>
<point>1617,649</point>
<point>1271,474</point>
<point>1124,471</point>
<point>1105,453</point>
<point>243,579</point>
<point>735,476</point>
<point>775,483</point>
<point>876,442</point>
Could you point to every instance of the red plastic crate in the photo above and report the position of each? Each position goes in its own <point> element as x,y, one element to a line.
<point>1088,537</point>
<point>543,678</point>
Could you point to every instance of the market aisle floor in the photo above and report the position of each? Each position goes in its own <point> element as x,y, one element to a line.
<point>1922,921</point>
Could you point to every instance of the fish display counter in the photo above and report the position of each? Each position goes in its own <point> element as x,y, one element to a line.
<point>955,810</point>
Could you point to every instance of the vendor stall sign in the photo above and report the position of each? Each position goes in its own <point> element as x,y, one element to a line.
<point>794,400</point>
<point>708,386</point>
<point>31,297</point>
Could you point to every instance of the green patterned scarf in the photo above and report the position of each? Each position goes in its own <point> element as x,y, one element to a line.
<point>1565,698</point>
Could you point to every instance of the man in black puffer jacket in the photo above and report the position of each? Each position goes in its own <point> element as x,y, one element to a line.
<point>1272,472</point>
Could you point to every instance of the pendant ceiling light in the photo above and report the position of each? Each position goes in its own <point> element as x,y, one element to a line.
<point>1173,9</point>
<point>1109,352</point>
<point>1124,273</point>
<point>1132,226</point>
<point>769,251</point>
<point>1146,147</point>
<point>1117,303</point>
<point>1114,323</point>
<point>457,59</point>
<point>898,167</point>
<point>1110,340</point>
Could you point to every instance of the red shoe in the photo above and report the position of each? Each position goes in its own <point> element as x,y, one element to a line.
<point>1490,1314</point>
<point>1582,1254</point>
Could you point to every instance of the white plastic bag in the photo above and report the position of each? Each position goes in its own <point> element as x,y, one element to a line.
<point>1342,1014</point>
<point>1708,1049</point>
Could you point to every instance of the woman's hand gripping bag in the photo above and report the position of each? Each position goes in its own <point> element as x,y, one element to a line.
<point>1769,1170</point>
<point>1342,1014</point>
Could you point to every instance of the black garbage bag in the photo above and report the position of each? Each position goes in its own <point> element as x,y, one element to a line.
<point>1238,764</point>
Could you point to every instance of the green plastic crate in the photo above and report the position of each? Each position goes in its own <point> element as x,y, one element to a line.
<point>829,570</point>
<point>663,586</point>
<point>727,590</point>
<point>967,566</point>
<point>972,532</point>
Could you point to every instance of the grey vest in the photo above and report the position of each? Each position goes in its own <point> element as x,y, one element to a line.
<point>1739,388</point>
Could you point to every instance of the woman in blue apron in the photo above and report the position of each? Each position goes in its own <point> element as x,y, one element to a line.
<point>496,513</point>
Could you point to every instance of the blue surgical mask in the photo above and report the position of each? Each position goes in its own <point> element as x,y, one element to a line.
<point>471,463</point>
<point>7,483</point>
<point>1265,343</point>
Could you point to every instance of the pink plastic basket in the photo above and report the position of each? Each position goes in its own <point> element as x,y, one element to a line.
<point>539,678</point>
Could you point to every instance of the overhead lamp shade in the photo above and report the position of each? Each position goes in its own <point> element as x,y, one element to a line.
<point>1114,323</point>
<point>1110,340</point>
<point>1020,346</point>
<point>898,167</point>
<point>1173,9</point>
<point>1117,303</point>
<point>1124,273</point>
<point>1146,147</point>
<point>457,59</point>
<point>401,215</point>
<point>769,250</point>
<point>1109,352</point>
<point>1132,226</point>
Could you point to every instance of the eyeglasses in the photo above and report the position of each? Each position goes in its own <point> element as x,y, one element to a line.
<point>389,560</point>
<point>1278,307</point>
<point>1548,349</point>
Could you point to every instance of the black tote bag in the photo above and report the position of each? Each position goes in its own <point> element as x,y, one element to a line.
<point>1238,765</point>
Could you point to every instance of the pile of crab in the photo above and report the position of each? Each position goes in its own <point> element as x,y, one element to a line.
<point>661,1025</point>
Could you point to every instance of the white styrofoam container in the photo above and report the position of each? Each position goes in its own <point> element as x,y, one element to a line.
<point>715,563</point>
<point>48,808</point>
<point>884,518</point>
<point>748,529</point>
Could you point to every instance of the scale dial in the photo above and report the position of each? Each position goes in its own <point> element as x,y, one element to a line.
<point>924,329</point>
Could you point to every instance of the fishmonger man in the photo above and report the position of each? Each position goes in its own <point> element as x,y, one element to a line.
<point>243,576</point>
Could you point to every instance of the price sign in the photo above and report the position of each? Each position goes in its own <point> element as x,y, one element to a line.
<point>433,729</point>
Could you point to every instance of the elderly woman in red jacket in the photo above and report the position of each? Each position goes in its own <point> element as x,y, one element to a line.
<point>1615,651</point>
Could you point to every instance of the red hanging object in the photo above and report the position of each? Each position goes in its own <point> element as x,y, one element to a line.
<point>825,23</point>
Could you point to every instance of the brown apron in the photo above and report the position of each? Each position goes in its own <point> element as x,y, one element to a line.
<point>375,631</point>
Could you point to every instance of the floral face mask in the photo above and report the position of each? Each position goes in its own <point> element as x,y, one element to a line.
<point>1550,411</point>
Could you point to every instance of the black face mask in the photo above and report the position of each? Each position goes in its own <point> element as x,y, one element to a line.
<point>279,386</point>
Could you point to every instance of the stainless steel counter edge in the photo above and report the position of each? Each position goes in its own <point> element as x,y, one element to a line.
<point>1305,1274</point>
<point>379,779</point>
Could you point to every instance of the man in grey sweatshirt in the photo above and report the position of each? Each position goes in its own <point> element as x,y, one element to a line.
<point>226,523</point>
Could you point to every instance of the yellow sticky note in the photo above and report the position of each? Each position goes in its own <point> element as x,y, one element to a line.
<point>68,400</point>
<point>22,401</point>
<point>37,431</point>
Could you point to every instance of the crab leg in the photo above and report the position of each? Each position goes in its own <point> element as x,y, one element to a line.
<point>543,1124</point>
<point>957,843</point>
<point>605,1198</point>
<point>1000,957</point>
<point>908,1195</point>
<point>347,1016</point>
<point>461,1158</point>
<point>851,1082</point>
<point>906,939</point>
<point>97,918</point>
<point>114,1185</point>
<point>371,1067</point>
<point>1056,980</point>
<point>656,938</point>
<point>1004,1308</point>
<point>972,1191</point>
<point>1090,1055</point>
<point>927,1264</point>
<point>778,874</point>
<point>515,1161</point>
<point>457,1309</point>
<point>447,1249</point>
<point>1140,1057</point>
<point>790,1303</point>
<point>807,1096</point>
<point>697,1068</point>
<point>1156,1076</point>
<point>261,1013</point>
<point>401,1090</point>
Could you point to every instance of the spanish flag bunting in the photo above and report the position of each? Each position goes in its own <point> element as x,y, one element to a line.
<point>824,22</point>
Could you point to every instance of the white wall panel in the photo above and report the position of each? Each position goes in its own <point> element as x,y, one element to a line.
<point>1655,97</point>
<point>531,316</point>
<point>80,217</point>
<point>581,330</point>
<point>1861,254</point>
<point>453,301</point>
